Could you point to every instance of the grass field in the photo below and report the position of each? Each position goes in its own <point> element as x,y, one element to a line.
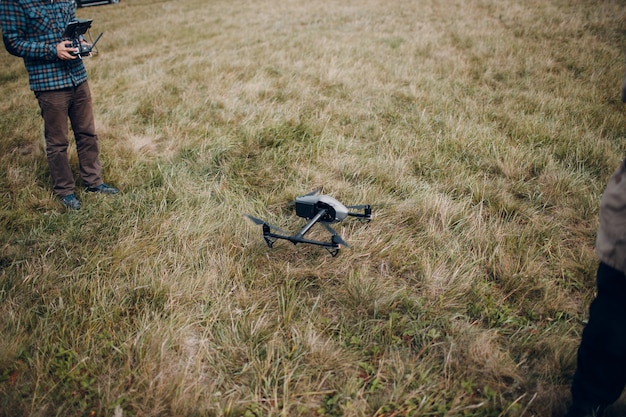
<point>484,131</point>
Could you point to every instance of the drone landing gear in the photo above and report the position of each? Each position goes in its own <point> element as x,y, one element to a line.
<point>331,247</point>
<point>267,236</point>
<point>334,250</point>
<point>321,209</point>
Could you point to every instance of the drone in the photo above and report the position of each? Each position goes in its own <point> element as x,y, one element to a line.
<point>316,208</point>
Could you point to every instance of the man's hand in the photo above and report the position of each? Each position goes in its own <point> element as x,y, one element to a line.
<point>65,50</point>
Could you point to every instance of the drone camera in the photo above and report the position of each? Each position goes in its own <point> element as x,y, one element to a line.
<point>309,209</point>
<point>305,209</point>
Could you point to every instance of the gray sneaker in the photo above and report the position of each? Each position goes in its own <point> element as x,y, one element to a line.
<point>70,201</point>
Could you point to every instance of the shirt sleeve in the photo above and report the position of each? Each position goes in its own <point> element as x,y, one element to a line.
<point>15,34</point>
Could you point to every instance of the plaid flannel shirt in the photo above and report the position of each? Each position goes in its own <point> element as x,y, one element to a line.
<point>31,29</point>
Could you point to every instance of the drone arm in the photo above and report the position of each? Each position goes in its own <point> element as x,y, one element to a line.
<point>310,224</point>
<point>367,213</point>
<point>295,240</point>
<point>332,247</point>
<point>299,237</point>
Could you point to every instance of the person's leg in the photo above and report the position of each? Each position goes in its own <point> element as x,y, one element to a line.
<point>54,111</point>
<point>601,368</point>
<point>83,125</point>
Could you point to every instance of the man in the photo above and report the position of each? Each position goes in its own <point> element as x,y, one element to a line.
<point>601,370</point>
<point>33,30</point>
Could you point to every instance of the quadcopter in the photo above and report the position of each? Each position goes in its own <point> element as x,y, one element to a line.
<point>315,207</point>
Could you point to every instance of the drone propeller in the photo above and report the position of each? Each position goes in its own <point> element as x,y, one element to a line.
<point>264,223</point>
<point>314,192</point>
<point>336,237</point>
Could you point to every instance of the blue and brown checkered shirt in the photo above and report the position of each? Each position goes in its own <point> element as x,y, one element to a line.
<point>31,29</point>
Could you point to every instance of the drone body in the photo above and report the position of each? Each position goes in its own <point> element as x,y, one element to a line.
<point>308,206</point>
<point>316,208</point>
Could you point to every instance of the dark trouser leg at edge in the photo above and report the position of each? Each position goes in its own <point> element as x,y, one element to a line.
<point>601,368</point>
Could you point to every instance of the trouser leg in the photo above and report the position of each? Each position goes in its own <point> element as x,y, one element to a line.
<point>83,125</point>
<point>601,368</point>
<point>54,106</point>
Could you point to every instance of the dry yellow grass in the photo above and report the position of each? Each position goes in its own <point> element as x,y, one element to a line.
<point>485,130</point>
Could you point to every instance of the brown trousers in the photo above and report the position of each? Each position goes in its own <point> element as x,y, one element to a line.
<point>56,106</point>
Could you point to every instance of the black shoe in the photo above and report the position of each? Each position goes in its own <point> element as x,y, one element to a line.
<point>70,201</point>
<point>103,189</point>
